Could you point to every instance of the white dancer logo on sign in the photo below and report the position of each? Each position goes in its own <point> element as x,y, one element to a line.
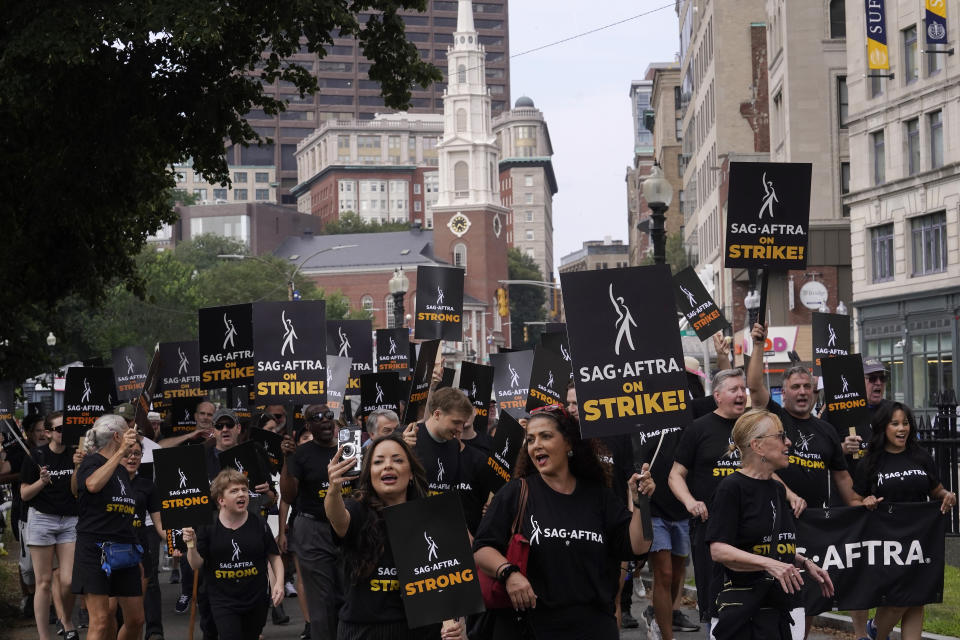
<point>439,295</point>
<point>393,346</point>
<point>690,299</point>
<point>289,334</point>
<point>379,397</point>
<point>86,392</point>
<point>514,376</point>
<point>769,196</point>
<point>236,551</point>
<point>230,333</point>
<point>184,363</point>
<point>431,547</point>
<point>183,478</point>
<point>344,344</point>
<point>623,322</point>
<point>129,366</point>
<point>846,386</point>
<point>832,342</point>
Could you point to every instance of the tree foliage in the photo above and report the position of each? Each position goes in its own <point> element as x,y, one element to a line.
<point>350,222</point>
<point>526,301</point>
<point>674,251</point>
<point>99,100</point>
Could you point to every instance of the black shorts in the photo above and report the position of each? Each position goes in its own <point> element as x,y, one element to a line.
<point>88,577</point>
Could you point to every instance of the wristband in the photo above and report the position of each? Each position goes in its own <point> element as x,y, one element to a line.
<point>507,571</point>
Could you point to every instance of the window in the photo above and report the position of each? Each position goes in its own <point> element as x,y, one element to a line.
<point>417,206</point>
<point>934,62</point>
<point>527,180</point>
<point>876,86</point>
<point>879,164</point>
<point>201,194</point>
<point>912,132</point>
<point>838,19</point>
<point>881,241</point>
<point>461,178</point>
<point>529,215</point>
<point>416,189</point>
<point>460,255</point>
<point>929,243</point>
<point>366,303</point>
<point>239,194</point>
<point>843,102</point>
<point>240,176</point>
<point>262,176</point>
<point>529,234</point>
<point>909,36</point>
<point>528,198</point>
<point>262,194</point>
<point>845,186</point>
<point>461,120</point>
<point>462,74</point>
<point>219,194</point>
<point>935,124</point>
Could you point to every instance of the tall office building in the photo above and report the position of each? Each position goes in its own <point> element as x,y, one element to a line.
<point>346,93</point>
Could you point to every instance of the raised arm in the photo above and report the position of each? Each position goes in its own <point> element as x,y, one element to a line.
<point>759,394</point>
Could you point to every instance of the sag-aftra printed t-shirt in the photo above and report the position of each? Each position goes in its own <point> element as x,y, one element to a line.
<point>814,452</point>
<point>704,449</point>
<point>56,498</point>
<point>105,516</point>
<point>909,476</point>
<point>235,562</point>
<point>308,465</point>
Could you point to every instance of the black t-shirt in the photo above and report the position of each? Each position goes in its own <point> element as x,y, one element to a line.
<point>908,476</point>
<point>472,485</point>
<point>235,562</point>
<point>147,501</point>
<point>617,451</point>
<point>106,516</point>
<point>663,504</point>
<point>482,441</point>
<point>308,465</point>
<point>16,456</point>
<point>374,598</point>
<point>753,515</point>
<point>704,449</point>
<point>576,541</point>
<point>440,460</point>
<point>703,406</point>
<point>56,498</point>
<point>814,452</point>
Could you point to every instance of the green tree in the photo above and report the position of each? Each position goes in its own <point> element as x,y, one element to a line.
<point>526,301</point>
<point>674,251</point>
<point>99,100</point>
<point>351,222</point>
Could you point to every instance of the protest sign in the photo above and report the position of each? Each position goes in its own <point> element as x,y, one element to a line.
<point>226,346</point>
<point>338,376</point>
<point>845,396</point>
<point>88,394</point>
<point>439,303</point>
<point>549,377</point>
<point>831,337</point>
<point>247,458</point>
<point>511,379</point>
<point>290,351</point>
<point>238,401</point>
<point>180,370</point>
<point>8,401</point>
<point>507,443</point>
<point>393,350</point>
<point>435,567</point>
<point>420,383</point>
<point>476,380</point>
<point>147,395</point>
<point>556,341</point>
<point>379,391</point>
<point>181,477</point>
<point>625,343</point>
<point>130,371</point>
<point>447,375</point>
<point>271,444</point>
<point>696,305</point>
<point>352,339</point>
<point>182,416</point>
<point>175,542</point>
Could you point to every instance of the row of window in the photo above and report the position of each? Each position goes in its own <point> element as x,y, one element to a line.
<point>912,146</point>
<point>928,247</point>
<point>910,60</point>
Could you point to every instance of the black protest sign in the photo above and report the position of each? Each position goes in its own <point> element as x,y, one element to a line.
<point>393,350</point>
<point>555,327</point>
<point>87,395</point>
<point>845,397</point>
<point>831,337</point>
<point>247,458</point>
<point>420,382</point>
<point>7,400</point>
<point>768,215</point>
<point>696,305</point>
<point>181,416</point>
<point>180,474</point>
<point>511,379</point>
<point>625,343</point>
<point>130,371</point>
<point>352,339</point>
<point>556,341</point>
<point>175,541</point>
<point>379,391</point>
<point>447,375</point>
<point>549,378</point>
<point>180,370</point>
<point>439,304</point>
<point>290,346</point>
<point>338,376</point>
<point>476,380</point>
<point>226,346</point>
<point>435,567</point>
<point>892,556</point>
<point>271,444</point>
<point>507,443</point>
<point>238,401</point>
<point>145,397</point>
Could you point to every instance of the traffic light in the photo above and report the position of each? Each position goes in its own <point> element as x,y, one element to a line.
<point>526,335</point>
<point>503,304</point>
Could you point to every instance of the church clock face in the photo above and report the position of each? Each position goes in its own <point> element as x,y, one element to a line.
<point>459,225</point>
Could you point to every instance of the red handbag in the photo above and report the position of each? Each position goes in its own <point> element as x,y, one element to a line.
<point>518,552</point>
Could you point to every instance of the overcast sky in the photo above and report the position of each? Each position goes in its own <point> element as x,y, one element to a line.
<point>582,87</point>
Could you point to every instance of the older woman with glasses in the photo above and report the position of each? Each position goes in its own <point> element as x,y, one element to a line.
<point>752,533</point>
<point>578,531</point>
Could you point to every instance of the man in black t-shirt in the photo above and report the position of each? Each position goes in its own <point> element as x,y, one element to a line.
<point>203,415</point>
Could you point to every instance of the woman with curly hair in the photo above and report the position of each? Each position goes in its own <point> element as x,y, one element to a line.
<point>390,475</point>
<point>578,530</point>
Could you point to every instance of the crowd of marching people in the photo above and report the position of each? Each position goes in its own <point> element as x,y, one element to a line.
<point>716,493</point>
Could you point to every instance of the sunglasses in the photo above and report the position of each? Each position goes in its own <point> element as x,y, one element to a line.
<point>326,415</point>
<point>57,429</point>
<point>877,377</point>
<point>782,435</point>
<point>224,425</point>
<point>278,416</point>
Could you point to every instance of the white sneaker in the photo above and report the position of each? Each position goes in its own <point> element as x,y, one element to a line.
<point>654,632</point>
<point>290,590</point>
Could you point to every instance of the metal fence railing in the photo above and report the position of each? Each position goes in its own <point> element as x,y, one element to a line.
<point>941,439</point>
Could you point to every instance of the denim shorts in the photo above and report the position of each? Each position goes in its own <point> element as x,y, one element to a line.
<point>44,529</point>
<point>672,536</point>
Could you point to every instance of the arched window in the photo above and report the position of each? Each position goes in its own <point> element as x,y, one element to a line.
<point>838,19</point>
<point>462,74</point>
<point>388,309</point>
<point>366,303</point>
<point>460,255</point>
<point>461,120</point>
<point>461,176</point>
<point>493,177</point>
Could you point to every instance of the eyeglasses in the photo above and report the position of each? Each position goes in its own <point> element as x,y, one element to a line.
<point>877,377</point>
<point>780,434</point>
<point>135,454</point>
<point>317,417</point>
<point>224,425</point>
<point>57,429</point>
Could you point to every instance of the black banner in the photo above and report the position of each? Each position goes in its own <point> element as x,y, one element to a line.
<point>892,557</point>
<point>88,394</point>
<point>238,401</point>
<point>180,370</point>
<point>352,339</point>
<point>439,304</point>
<point>845,396</point>
<point>130,371</point>
<point>290,351</point>
<point>338,376</point>
<point>180,474</point>
<point>549,378</point>
<point>447,375</point>
<point>557,342</point>
<point>271,444</point>
<point>625,343</point>
<point>393,350</point>
<point>147,395</point>
<point>8,401</point>
<point>831,337</point>
<point>507,443</point>
<point>226,346</point>
<point>247,458</point>
<point>379,391</point>
<point>420,382</point>
<point>435,568</point>
<point>511,379</point>
<point>696,305</point>
<point>476,380</point>
<point>768,215</point>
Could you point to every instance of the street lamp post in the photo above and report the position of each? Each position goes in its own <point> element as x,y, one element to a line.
<point>658,192</point>
<point>399,285</point>
<point>752,303</point>
<point>292,294</point>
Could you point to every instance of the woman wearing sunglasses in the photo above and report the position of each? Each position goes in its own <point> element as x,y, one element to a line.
<point>578,531</point>
<point>751,532</point>
<point>51,523</point>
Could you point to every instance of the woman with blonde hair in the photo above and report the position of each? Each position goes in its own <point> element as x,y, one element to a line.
<point>752,533</point>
